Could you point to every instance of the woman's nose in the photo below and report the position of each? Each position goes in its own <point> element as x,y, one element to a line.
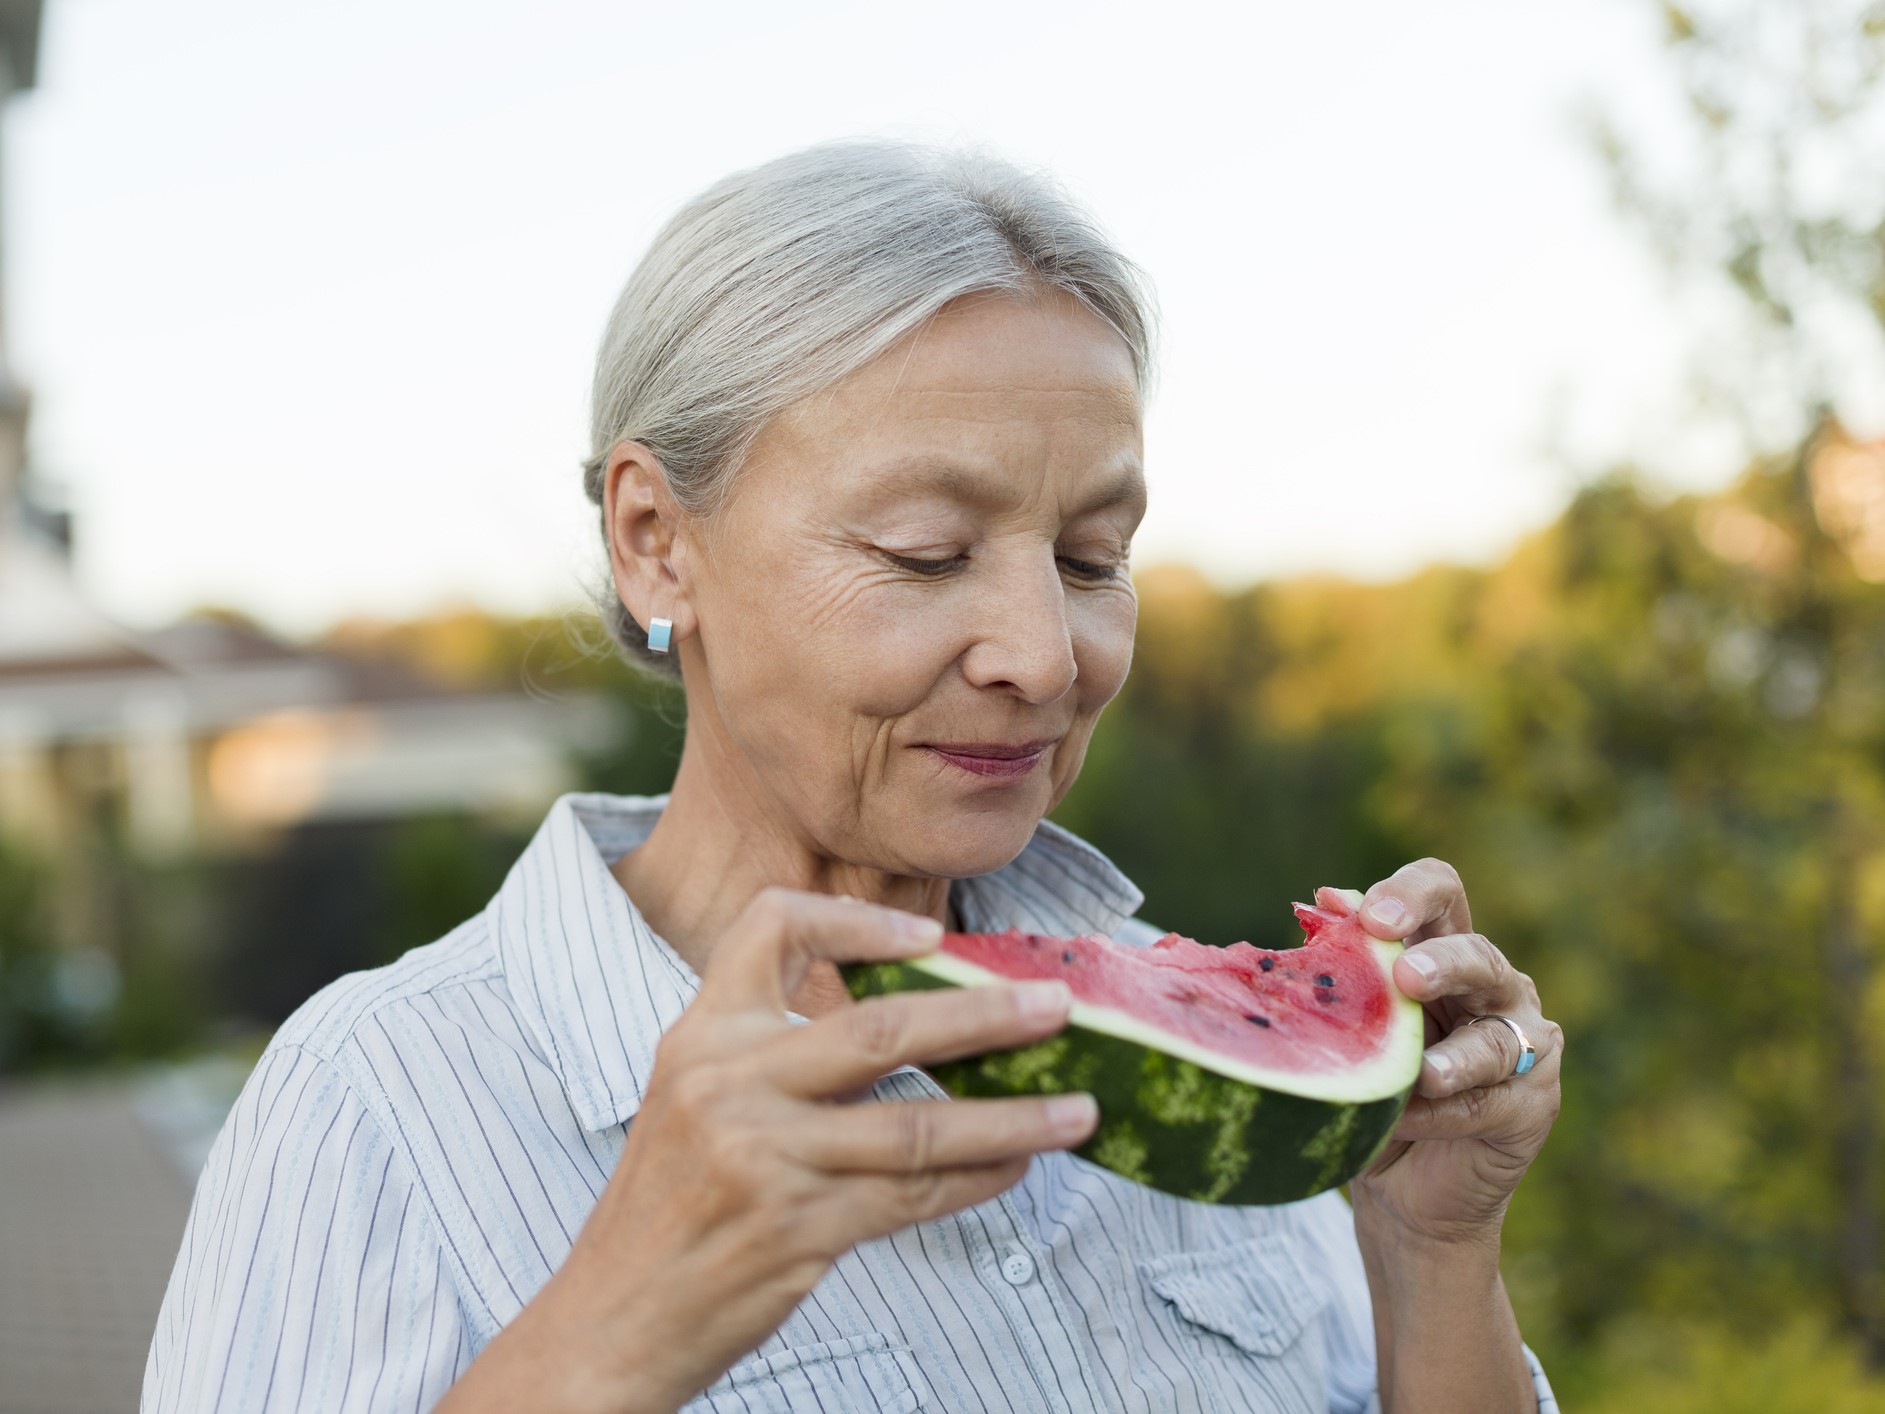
<point>1026,640</point>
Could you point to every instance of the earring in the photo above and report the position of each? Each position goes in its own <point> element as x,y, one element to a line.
<point>660,632</point>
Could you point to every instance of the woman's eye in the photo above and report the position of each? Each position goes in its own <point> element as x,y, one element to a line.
<point>1086,569</point>
<point>930,568</point>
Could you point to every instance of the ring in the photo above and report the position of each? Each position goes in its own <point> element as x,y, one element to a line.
<point>1527,1056</point>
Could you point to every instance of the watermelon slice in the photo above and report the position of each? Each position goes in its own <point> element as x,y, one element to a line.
<point>1229,1075</point>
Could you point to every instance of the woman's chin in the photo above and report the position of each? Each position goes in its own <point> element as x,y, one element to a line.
<point>959,842</point>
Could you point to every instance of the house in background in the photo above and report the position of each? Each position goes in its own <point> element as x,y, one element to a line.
<point>213,734</point>
<point>281,777</point>
<point>212,738</point>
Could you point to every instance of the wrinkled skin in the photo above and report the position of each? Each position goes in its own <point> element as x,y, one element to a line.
<point>1429,1210</point>
<point>933,553</point>
<point>1473,1127</point>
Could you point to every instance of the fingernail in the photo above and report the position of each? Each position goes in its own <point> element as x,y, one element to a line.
<point>1423,964</point>
<point>1442,1066</point>
<point>1388,912</point>
<point>1072,1114</point>
<point>918,931</point>
<point>1039,1000</point>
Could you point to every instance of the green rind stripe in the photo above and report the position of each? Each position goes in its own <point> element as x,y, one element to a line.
<point>1166,1122</point>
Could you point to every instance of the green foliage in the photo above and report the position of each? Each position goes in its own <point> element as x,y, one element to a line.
<point>165,915</point>
<point>1653,742</point>
<point>1690,1368</point>
<point>1658,812</point>
<point>641,756</point>
<point>434,872</point>
<point>1243,820</point>
<point>136,993</point>
<point>29,1022</point>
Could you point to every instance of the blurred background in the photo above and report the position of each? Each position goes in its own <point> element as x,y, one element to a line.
<point>1519,498</point>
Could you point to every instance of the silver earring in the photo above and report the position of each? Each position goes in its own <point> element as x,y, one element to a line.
<point>660,634</point>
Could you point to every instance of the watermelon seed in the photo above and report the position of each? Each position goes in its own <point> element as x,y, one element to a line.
<point>1266,963</point>
<point>1067,956</point>
<point>1262,1021</point>
<point>1325,980</point>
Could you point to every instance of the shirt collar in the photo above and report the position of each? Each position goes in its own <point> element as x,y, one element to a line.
<point>596,986</point>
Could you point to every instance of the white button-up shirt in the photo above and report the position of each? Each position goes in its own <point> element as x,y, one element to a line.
<point>420,1144</point>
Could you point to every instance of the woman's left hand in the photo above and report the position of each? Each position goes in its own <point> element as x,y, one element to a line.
<point>1473,1125</point>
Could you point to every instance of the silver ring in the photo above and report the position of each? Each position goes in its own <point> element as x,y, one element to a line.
<point>1527,1056</point>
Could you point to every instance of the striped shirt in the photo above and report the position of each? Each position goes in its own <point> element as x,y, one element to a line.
<point>419,1145</point>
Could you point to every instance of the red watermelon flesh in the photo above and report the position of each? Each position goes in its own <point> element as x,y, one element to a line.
<point>1224,1075</point>
<point>1325,1006</point>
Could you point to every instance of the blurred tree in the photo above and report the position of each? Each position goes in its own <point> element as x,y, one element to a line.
<point>1764,182</point>
<point>30,1026</point>
<point>1776,192</point>
<point>1676,802</point>
<point>1635,738</point>
<point>1223,816</point>
<point>434,872</point>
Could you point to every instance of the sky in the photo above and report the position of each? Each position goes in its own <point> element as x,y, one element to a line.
<point>309,294</point>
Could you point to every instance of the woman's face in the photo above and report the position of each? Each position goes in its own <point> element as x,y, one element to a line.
<point>916,603</point>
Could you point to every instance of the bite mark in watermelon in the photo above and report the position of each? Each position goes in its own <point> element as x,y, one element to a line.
<point>1226,1074</point>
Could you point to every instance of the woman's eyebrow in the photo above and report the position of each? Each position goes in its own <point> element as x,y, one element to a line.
<point>939,476</point>
<point>954,481</point>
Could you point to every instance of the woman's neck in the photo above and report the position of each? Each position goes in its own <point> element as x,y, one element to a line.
<point>717,844</point>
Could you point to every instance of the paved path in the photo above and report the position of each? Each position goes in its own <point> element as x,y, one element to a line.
<point>91,1212</point>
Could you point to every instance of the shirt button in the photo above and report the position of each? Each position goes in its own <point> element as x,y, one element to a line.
<point>1017,1268</point>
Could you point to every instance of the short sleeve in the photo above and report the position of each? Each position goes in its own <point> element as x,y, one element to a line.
<point>311,1276</point>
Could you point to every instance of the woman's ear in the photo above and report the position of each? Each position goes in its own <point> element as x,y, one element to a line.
<point>648,538</point>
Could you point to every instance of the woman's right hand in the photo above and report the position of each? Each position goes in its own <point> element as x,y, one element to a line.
<point>745,1176</point>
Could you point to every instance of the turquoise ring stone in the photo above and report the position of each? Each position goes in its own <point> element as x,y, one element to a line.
<point>1527,1055</point>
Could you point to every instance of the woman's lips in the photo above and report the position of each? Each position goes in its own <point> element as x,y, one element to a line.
<point>995,761</point>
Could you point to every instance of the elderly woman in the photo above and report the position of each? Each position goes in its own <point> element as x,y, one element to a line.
<point>867,452</point>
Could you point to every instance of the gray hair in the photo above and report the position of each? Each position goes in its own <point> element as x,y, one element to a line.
<point>777,282</point>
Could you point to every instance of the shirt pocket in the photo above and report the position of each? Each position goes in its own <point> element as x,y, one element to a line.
<point>1248,1313</point>
<point>865,1373</point>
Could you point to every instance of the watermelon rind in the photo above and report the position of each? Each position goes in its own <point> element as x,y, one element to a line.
<point>1174,1115</point>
